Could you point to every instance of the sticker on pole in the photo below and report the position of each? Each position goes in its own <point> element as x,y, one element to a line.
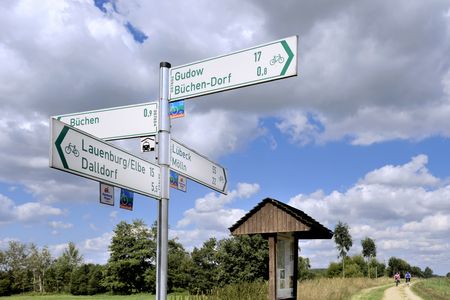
<point>148,144</point>
<point>177,109</point>
<point>106,194</point>
<point>126,199</point>
<point>177,181</point>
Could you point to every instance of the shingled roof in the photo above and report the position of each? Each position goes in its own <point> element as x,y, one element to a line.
<point>271,216</point>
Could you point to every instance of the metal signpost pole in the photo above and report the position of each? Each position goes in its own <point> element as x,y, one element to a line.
<point>164,163</point>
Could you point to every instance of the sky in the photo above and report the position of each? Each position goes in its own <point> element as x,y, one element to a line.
<point>361,135</point>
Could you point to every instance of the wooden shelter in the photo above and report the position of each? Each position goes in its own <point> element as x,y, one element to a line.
<point>283,226</point>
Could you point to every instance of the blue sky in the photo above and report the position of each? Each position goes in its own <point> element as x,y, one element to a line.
<point>361,135</point>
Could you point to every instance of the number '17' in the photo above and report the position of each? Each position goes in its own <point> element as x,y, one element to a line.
<point>257,56</point>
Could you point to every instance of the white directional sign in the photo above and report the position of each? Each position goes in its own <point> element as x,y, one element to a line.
<point>77,152</point>
<point>194,166</point>
<point>275,60</point>
<point>116,122</point>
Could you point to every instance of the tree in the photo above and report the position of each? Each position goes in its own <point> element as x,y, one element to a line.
<point>416,272</point>
<point>65,265</point>
<point>428,273</point>
<point>16,261</point>
<point>79,280</point>
<point>178,276</point>
<point>5,282</point>
<point>72,255</point>
<point>133,253</point>
<point>304,269</point>
<point>448,275</point>
<point>204,268</point>
<point>343,242</point>
<point>39,262</point>
<point>242,259</point>
<point>397,265</point>
<point>369,251</point>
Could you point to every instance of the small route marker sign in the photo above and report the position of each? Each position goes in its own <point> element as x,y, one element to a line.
<point>106,194</point>
<point>176,109</point>
<point>177,181</point>
<point>126,199</point>
<point>271,61</point>
<point>116,122</point>
<point>197,167</point>
<point>77,152</point>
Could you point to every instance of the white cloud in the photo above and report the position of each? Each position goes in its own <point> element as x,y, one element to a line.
<point>436,222</point>
<point>113,215</point>
<point>402,207</point>
<point>59,225</point>
<point>34,211</point>
<point>211,216</point>
<point>298,127</point>
<point>216,132</point>
<point>95,250</point>
<point>27,212</point>
<point>413,173</point>
<point>58,249</point>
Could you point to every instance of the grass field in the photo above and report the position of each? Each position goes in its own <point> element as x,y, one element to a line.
<point>336,288</point>
<point>375,293</point>
<point>322,288</point>
<point>433,289</point>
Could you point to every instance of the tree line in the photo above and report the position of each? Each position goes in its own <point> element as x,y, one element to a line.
<point>366,264</point>
<point>131,267</point>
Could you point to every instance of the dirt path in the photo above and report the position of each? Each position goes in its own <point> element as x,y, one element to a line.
<point>401,292</point>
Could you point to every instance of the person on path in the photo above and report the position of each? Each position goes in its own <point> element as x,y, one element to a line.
<point>407,277</point>
<point>397,278</point>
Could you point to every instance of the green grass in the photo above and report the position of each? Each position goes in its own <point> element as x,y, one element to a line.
<point>376,293</point>
<point>71,297</point>
<point>100,297</point>
<point>433,289</point>
<point>336,288</point>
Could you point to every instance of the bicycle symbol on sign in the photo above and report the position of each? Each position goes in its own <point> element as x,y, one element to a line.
<point>277,58</point>
<point>72,149</point>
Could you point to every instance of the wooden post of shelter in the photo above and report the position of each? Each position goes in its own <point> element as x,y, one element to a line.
<point>283,226</point>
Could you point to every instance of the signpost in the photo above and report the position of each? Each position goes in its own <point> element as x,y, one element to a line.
<point>77,152</point>
<point>195,166</point>
<point>84,153</point>
<point>117,122</point>
<point>272,61</point>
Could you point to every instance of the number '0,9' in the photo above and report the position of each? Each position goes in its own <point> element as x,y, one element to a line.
<point>147,112</point>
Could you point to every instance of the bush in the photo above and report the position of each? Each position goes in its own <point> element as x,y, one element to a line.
<point>334,270</point>
<point>5,287</point>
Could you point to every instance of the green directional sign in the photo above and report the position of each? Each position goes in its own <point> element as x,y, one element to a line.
<point>77,152</point>
<point>272,61</point>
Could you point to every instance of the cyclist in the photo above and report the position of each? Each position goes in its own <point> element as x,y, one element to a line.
<point>397,278</point>
<point>407,278</point>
